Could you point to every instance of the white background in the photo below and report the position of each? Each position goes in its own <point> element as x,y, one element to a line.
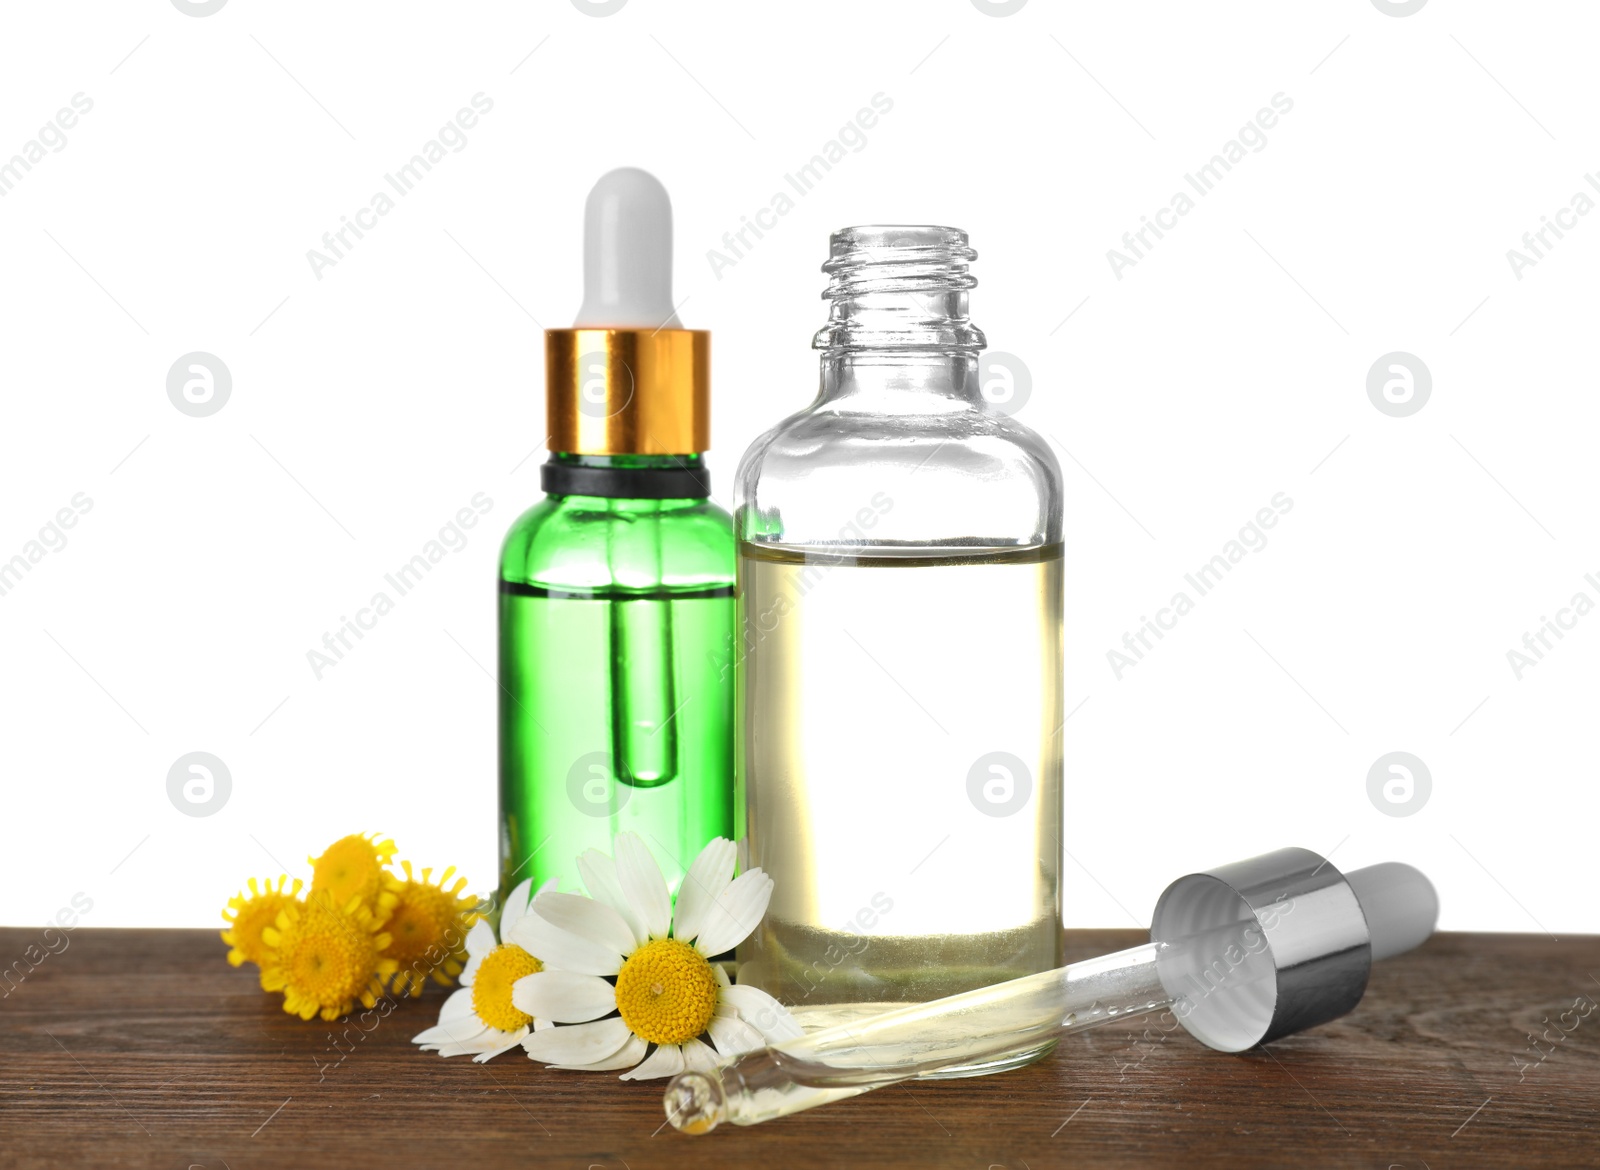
<point>1228,365</point>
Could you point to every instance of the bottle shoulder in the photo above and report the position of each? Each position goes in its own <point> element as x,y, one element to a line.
<point>589,543</point>
<point>960,472</point>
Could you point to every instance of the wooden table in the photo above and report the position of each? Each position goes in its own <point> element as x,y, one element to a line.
<point>144,1048</point>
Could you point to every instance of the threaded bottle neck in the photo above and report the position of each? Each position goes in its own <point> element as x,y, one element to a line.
<point>899,288</point>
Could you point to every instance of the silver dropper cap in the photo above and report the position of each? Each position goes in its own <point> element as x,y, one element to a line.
<point>1282,942</point>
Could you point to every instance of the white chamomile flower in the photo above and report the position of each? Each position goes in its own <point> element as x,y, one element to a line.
<point>480,1018</point>
<point>626,973</point>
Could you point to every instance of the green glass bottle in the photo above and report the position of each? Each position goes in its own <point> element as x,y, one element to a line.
<point>616,625</point>
<point>616,590</point>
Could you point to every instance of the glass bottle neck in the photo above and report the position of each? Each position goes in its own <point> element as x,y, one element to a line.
<point>899,288</point>
<point>897,316</point>
<point>870,377</point>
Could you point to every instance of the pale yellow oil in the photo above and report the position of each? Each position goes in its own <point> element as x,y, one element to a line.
<point>887,701</point>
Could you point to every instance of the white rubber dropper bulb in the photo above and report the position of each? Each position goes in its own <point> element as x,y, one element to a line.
<point>1400,905</point>
<point>627,254</point>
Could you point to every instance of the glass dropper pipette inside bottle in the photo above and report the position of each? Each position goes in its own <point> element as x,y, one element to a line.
<point>1242,954</point>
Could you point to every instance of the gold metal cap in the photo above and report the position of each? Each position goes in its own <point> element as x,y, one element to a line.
<point>628,391</point>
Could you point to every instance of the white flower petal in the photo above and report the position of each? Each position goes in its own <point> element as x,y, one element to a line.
<point>708,876</point>
<point>441,1035</point>
<point>480,939</point>
<point>469,970</point>
<point>763,1013</point>
<point>562,949</point>
<point>578,1043</point>
<point>499,1042</point>
<point>599,875</point>
<point>564,997</point>
<point>736,912</point>
<point>454,1039</point>
<point>665,1061</point>
<point>699,1056</point>
<point>643,885</point>
<point>586,918</point>
<point>732,1035</point>
<point>629,1054</point>
<point>516,905</point>
<point>459,1050</point>
<point>457,1007</point>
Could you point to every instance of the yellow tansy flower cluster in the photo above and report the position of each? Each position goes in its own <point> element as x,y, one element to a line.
<point>359,932</point>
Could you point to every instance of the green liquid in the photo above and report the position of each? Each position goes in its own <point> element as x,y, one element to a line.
<point>615,699</point>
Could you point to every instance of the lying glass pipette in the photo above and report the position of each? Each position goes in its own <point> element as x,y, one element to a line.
<point>1242,954</point>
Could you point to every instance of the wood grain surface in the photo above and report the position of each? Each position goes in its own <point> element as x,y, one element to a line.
<point>144,1048</point>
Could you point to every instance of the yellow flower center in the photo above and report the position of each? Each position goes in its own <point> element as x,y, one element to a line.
<point>666,992</point>
<point>252,916</point>
<point>351,867</point>
<point>491,987</point>
<point>421,927</point>
<point>329,959</point>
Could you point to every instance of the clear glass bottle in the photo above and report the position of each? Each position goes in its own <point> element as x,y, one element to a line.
<point>899,684</point>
